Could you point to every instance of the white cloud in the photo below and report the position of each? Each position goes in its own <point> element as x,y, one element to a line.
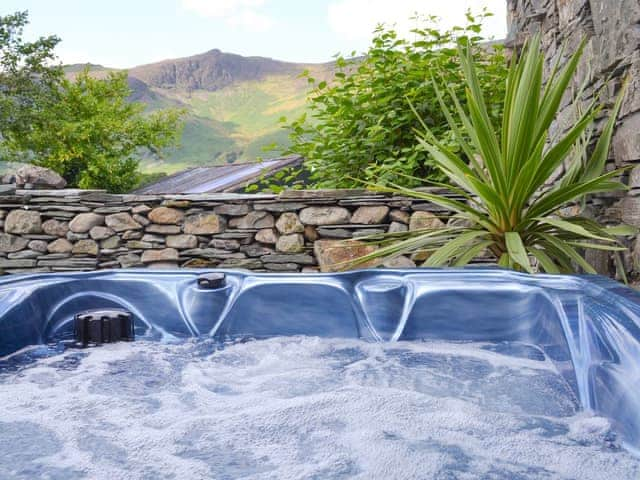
<point>356,19</point>
<point>237,13</point>
<point>250,20</point>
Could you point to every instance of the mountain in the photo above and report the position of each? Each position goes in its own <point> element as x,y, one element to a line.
<point>211,71</point>
<point>233,103</point>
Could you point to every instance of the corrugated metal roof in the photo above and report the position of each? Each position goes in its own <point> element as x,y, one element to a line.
<point>222,178</point>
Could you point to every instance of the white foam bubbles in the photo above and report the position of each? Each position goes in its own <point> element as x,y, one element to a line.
<point>300,407</point>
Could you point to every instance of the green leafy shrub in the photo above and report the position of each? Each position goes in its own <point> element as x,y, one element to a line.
<point>359,124</point>
<point>28,75</point>
<point>93,136</point>
<point>508,210</point>
<point>85,128</point>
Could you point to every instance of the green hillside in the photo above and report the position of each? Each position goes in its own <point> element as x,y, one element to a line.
<point>230,124</point>
<point>234,104</point>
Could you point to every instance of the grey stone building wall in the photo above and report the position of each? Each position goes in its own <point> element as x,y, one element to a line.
<point>75,230</point>
<point>612,30</point>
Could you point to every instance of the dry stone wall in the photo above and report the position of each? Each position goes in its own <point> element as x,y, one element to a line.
<point>612,53</point>
<point>75,230</point>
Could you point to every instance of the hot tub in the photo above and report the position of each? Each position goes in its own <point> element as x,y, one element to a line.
<point>377,326</point>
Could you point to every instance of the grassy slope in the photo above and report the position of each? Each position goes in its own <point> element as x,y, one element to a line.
<point>233,123</point>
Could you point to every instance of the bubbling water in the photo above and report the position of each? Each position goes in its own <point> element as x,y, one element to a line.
<point>299,407</point>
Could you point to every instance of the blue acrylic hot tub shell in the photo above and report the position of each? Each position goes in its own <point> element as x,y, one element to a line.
<point>587,325</point>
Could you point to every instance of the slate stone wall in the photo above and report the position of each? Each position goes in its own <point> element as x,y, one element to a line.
<point>612,30</point>
<point>74,230</point>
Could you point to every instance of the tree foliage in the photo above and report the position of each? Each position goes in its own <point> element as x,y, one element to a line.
<point>84,128</point>
<point>93,136</point>
<point>359,123</point>
<point>509,209</point>
<point>27,74</point>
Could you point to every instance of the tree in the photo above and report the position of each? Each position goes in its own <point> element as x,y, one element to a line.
<point>509,209</point>
<point>359,124</point>
<point>84,128</point>
<point>93,136</point>
<point>27,75</point>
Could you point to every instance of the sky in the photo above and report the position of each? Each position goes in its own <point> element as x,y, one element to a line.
<point>126,33</point>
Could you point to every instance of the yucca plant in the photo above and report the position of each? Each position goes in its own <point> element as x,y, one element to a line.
<point>503,173</point>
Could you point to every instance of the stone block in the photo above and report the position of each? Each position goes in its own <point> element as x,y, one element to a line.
<point>85,247</point>
<point>164,255</point>
<point>17,263</point>
<point>288,223</point>
<point>139,245</point>
<point>110,243</point>
<point>110,264</point>
<point>132,235</point>
<point>74,237</point>
<point>267,235</point>
<point>55,227</point>
<point>334,232</point>
<point>293,243</point>
<point>420,220</point>
<point>279,206</point>
<point>367,231</point>
<point>70,263</point>
<point>144,221</point>
<point>38,177</point>
<point>120,222</point>
<point>12,243</point>
<point>300,258</point>
<point>212,253</point>
<point>100,233</point>
<point>399,216</point>
<point>24,254</point>
<point>200,263</point>
<point>166,216</point>
<point>153,238</point>
<point>162,229</point>
<point>129,260</point>
<point>182,241</point>
<point>626,140</point>
<point>112,209</point>
<point>631,210</point>
<point>84,222</point>
<point>176,203</point>
<point>371,215</point>
<point>255,250</point>
<point>223,244</point>
<point>232,209</point>
<point>236,235</point>
<point>396,227</point>
<point>141,209</point>
<point>61,245</point>
<point>246,263</point>
<point>325,216</point>
<point>203,224</point>
<point>255,219</point>
<point>23,221</point>
<point>336,255</point>
<point>615,25</point>
<point>38,245</point>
